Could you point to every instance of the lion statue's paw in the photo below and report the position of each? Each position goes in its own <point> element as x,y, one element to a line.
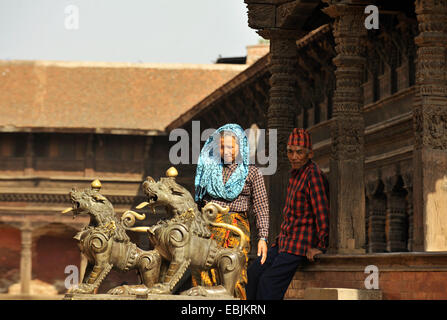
<point>160,288</point>
<point>205,291</point>
<point>140,289</point>
<point>83,288</point>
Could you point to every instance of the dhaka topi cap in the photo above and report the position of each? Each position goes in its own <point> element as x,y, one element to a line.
<point>300,137</point>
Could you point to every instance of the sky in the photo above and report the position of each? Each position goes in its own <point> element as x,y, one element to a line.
<point>149,31</point>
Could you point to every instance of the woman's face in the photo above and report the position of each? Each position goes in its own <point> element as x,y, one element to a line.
<point>229,148</point>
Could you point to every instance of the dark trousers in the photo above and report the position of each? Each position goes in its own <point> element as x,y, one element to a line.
<point>270,280</point>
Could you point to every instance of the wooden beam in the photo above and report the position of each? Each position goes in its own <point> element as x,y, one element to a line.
<point>293,15</point>
<point>261,16</point>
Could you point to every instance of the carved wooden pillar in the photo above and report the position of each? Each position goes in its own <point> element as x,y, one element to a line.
<point>26,259</point>
<point>408,185</point>
<point>281,113</point>
<point>376,217</point>
<point>347,130</point>
<point>430,126</point>
<point>396,217</point>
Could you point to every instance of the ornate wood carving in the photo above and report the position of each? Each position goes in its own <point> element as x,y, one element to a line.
<point>430,108</point>
<point>430,125</point>
<point>376,216</point>
<point>350,37</point>
<point>396,215</point>
<point>261,16</point>
<point>408,186</point>
<point>347,131</point>
<point>282,104</point>
<point>61,198</point>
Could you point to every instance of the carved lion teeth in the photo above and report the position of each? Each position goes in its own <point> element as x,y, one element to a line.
<point>67,210</point>
<point>142,205</point>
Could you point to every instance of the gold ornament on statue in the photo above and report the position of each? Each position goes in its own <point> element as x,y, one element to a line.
<point>96,185</point>
<point>172,172</point>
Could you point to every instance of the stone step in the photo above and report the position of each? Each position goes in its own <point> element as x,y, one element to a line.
<point>101,296</point>
<point>341,294</point>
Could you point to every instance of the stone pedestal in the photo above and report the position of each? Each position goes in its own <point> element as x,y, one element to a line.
<point>341,294</point>
<point>70,296</point>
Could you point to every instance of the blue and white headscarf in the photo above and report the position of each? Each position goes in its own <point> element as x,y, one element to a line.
<point>209,167</point>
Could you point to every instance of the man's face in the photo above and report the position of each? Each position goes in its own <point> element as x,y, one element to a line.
<point>298,156</point>
<point>229,149</point>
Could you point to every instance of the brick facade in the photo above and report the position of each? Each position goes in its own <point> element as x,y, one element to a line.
<point>409,278</point>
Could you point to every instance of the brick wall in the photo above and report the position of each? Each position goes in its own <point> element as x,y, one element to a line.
<point>51,256</point>
<point>10,247</point>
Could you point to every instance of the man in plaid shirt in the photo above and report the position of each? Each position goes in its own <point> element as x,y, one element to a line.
<point>305,230</point>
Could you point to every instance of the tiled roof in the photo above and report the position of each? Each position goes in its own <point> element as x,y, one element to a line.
<point>103,97</point>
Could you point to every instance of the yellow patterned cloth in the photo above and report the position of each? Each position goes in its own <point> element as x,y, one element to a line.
<point>227,239</point>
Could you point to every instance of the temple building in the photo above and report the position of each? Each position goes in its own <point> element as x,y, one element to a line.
<point>374,101</point>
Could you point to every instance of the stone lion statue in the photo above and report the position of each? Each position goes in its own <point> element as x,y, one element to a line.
<point>105,243</point>
<point>181,242</point>
<point>184,241</point>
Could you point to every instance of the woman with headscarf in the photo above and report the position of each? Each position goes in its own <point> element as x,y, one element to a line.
<point>224,176</point>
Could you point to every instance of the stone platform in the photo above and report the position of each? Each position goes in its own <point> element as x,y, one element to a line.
<point>401,275</point>
<point>341,294</point>
<point>70,296</point>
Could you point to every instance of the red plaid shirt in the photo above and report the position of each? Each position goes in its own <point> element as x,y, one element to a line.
<point>306,212</point>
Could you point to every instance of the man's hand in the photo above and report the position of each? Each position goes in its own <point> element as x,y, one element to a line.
<point>312,252</point>
<point>262,250</point>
